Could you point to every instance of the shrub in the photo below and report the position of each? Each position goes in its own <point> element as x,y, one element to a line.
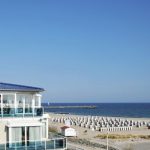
<point>53,129</point>
<point>119,136</point>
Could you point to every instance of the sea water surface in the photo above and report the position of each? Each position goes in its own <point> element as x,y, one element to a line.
<point>136,110</point>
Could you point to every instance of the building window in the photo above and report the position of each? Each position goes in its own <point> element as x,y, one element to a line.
<point>37,101</point>
<point>24,99</point>
<point>25,136</point>
<point>17,136</point>
<point>8,100</point>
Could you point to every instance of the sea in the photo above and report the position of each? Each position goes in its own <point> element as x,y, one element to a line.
<point>135,110</point>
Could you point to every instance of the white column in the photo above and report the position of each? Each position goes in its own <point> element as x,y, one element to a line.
<point>10,135</point>
<point>40,100</point>
<point>66,143</point>
<point>2,105</point>
<point>47,128</point>
<point>25,135</point>
<point>15,103</point>
<point>41,132</point>
<point>23,106</point>
<point>33,104</point>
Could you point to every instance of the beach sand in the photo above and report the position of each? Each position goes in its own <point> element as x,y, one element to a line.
<point>121,144</point>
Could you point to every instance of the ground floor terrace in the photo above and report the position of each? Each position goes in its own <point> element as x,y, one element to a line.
<point>49,144</point>
<point>28,134</point>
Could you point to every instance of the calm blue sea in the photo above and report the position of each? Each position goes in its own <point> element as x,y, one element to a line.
<point>141,110</point>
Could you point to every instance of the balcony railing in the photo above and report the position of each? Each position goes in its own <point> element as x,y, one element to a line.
<point>21,112</point>
<point>50,144</point>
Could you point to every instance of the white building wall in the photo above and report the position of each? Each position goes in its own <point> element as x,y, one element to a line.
<point>2,132</point>
<point>19,122</point>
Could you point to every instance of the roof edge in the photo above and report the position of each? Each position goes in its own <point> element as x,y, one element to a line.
<point>22,87</point>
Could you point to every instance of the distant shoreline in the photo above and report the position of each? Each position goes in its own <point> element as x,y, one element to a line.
<point>81,115</point>
<point>108,110</point>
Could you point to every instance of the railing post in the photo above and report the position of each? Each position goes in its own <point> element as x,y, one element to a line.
<point>66,143</point>
<point>54,144</point>
<point>35,146</point>
<point>5,145</point>
<point>15,146</point>
<point>45,144</point>
<point>42,111</point>
<point>107,138</point>
<point>25,146</point>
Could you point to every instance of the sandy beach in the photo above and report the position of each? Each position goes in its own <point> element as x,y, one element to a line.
<point>88,135</point>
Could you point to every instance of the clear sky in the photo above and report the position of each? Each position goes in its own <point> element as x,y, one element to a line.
<point>78,50</point>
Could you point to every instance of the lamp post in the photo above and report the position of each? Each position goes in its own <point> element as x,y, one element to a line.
<point>107,138</point>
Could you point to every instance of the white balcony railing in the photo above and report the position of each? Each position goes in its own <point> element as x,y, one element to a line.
<point>21,112</point>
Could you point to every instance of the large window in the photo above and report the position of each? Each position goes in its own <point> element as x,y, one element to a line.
<point>17,136</point>
<point>34,134</point>
<point>28,101</point>
<point>8,100</point>
<point>25,135</point>
<point>20,100</point>
<point>37,101</point>
<point>24,99</point>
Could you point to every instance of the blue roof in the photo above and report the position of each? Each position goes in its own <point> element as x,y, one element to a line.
<point>16,87</point>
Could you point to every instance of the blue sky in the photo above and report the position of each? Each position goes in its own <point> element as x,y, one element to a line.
<point>79,51</point>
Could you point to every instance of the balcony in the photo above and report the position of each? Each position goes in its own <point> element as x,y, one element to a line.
<point>21,112</point>
<point>49,144</point>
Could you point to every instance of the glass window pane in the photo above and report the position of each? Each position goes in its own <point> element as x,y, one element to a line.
<point>37,100</point>
<point>17,135</point>
<point>34,134</point>
<point>28,100</point>
<point>8,100</point>
<point>20,99</point>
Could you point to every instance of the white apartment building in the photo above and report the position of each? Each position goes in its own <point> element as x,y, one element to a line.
<point>23,124</point>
